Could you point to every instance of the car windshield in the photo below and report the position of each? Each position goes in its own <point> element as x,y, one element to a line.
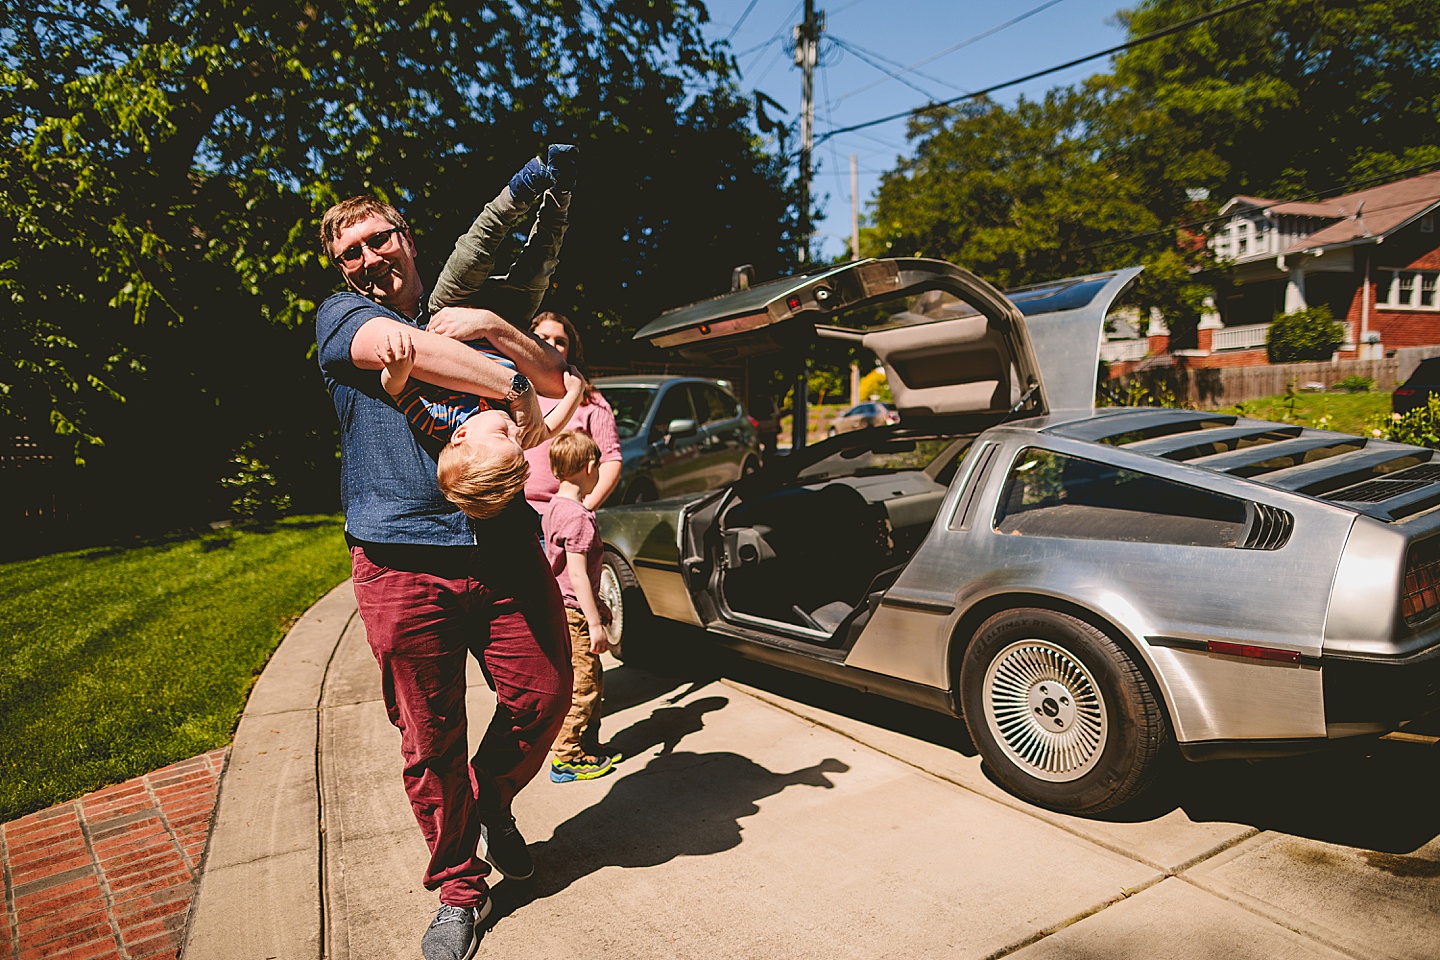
<point>630,405</point>
<point>892,455</point>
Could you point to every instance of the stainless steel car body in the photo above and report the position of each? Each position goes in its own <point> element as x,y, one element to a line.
<point>1277,586</point>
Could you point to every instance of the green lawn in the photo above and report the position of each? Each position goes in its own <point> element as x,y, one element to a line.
<point>1342,412</point>
<point>116,661</point>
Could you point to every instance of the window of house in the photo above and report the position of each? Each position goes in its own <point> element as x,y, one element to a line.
<point>1051,494</point>
<point>1410,290</point>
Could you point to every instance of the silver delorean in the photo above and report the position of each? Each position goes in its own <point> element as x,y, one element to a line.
<point>1088,588</point>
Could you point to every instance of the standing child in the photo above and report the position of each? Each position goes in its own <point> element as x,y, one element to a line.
<point>572,545</point>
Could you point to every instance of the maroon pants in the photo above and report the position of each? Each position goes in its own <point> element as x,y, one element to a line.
<point>426,609</point>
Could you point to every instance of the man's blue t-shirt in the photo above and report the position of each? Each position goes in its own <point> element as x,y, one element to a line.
<point>387,474</point>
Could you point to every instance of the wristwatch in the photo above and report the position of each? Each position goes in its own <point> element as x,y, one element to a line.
<point>519,386</point>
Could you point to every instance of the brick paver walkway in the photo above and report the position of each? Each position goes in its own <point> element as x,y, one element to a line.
<point>109,876</point>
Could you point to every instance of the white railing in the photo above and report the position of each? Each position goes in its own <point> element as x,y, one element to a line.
<point>1252,336</point>
<point>1239,338</point>
<point>1118,351</point>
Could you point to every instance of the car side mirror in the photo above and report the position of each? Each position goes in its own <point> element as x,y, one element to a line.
<point>679,429</point>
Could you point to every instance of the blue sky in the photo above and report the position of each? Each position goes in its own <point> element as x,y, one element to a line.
<point>864,40</point>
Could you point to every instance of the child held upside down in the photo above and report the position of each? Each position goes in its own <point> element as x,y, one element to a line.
<point>482,466</point>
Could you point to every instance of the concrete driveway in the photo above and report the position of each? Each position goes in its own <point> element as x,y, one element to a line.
<point>761,815</point>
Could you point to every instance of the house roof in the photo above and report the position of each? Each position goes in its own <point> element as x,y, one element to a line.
<point>1377,212</point>
<point>1365,215</point>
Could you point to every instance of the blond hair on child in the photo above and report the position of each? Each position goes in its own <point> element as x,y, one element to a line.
<point>481,480</point>
<point>571,451</point>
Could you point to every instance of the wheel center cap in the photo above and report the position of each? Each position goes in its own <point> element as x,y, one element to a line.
<point>1051,706</point>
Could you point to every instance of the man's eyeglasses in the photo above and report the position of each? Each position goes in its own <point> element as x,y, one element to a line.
<point>376,241</point>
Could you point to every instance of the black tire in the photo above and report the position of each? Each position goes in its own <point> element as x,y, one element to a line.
<point>1060,713</point>
<point>628,609</point>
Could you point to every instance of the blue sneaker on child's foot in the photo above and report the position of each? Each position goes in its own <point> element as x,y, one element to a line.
<point>586,768</point>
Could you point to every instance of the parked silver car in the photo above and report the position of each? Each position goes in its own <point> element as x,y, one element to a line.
<point>678,435</point>
<point>871,413</point>
<point>1087,587</point>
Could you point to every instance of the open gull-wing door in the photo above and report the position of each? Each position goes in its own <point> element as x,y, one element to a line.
<point>950,342</point>
<point>1066,320</point>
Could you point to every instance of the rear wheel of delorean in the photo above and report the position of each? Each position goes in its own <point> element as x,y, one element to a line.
<point>1060,713</point>
<point>629,612</point>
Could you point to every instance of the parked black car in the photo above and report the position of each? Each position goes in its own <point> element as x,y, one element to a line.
<point>678,435</point>
<point>1416,391</point>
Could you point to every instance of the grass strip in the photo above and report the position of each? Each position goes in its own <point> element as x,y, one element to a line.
<point>116,661</point>
<point>1341,412</point>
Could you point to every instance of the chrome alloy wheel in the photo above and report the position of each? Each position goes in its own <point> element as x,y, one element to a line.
<point>611,595</point>
<point>1045,711</point>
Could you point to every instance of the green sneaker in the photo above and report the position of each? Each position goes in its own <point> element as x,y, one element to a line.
<point>586,768</point>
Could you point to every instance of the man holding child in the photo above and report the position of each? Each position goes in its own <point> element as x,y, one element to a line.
<point>435,585</point>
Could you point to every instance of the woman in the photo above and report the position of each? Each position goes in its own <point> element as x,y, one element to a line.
<point>594,417</point>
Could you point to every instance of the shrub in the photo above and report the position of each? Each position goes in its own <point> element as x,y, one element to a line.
<point>874,384</point>
<point>1312,334</point>
<point>1420,426</point>
<point>1355,384</point>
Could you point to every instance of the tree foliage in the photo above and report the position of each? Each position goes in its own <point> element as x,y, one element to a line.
<point>163,164</point>
<point>1312,334</point>
<point>1284,99</point>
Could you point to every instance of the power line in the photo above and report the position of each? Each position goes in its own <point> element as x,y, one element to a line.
<point>959,46</point>
<point>894,63</point>
<point>1148,38</point>
<point>851,48</point>
<point>736,29</point>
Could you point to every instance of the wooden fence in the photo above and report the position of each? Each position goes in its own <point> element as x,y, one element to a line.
<point>1227,386</point>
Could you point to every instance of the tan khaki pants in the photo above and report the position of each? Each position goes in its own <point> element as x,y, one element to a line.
<point>580,734</point>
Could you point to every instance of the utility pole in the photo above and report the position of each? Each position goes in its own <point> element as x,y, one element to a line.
<point>807,46</point>
<point>854,210</point>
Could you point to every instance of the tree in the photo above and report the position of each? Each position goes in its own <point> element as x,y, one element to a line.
<point>1283,98</point>
<point>164,163</point>
<point>1028,194</point>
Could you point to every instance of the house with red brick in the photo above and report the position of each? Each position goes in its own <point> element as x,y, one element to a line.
<point>1372,256</point>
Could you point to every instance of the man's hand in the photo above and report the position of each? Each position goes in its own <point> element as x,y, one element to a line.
<point>464,323</point>
<point>533,179</point>
<point>397,357</point>
<point>563,162</point>
<point>527,416</point>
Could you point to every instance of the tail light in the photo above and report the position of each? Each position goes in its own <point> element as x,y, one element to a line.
<point>753,422</point>
<point>1421,599</point>
<point>1404,391</point>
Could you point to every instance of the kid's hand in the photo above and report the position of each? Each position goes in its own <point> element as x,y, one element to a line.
<point>599,639</point>
<point>397,355</point>
<point>574,381</point>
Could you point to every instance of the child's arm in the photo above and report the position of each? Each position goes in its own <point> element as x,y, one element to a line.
<point>580,579</point>
<point>556,419</point>
<point>397,356</point>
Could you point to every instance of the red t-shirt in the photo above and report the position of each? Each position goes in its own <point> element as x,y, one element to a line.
<point>570,528</point>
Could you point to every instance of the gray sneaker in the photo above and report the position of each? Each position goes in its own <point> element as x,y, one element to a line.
<point>454,934</point>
